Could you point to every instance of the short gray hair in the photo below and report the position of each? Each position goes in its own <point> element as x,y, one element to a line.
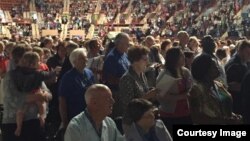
<point>75,54</point>
<point>119,37</point>
<point>92,91</point>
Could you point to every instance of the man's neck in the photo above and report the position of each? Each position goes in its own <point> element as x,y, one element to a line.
<point>97,118</point>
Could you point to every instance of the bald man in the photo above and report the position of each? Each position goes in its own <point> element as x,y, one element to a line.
<point>93,124</point>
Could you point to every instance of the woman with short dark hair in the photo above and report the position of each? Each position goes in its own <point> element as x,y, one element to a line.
<point>133,83</point>
<point>141,123</point>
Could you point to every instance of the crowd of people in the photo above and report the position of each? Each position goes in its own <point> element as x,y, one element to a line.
<point>134,86</point>
<point>50,11</point>
<point>100,88</point>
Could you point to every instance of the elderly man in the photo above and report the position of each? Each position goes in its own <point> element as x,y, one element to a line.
<point>72,85</point>
<point>116,63</point>
<point>93,124</point>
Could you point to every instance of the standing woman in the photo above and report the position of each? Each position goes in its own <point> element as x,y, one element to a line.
<point>133,83</point>
<point>174,107</point>
<point>14,99</point>
<point>210,102</point>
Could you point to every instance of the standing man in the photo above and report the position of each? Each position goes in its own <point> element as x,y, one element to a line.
<point>115,65</point>
<point>72,85</point>
<point>93,124</point>
<point>209,45</point>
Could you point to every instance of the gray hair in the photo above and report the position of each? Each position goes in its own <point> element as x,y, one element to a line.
<point>181,33</point>
<point>119,37</point>
<point>92,91</point>
<point>74,55</point>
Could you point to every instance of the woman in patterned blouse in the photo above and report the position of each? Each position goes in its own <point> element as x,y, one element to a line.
<point>133,83</point>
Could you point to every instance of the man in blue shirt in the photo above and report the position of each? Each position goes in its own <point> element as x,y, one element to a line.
<point>73,86</point>
<point>116,62</point>
<point>115,65</point>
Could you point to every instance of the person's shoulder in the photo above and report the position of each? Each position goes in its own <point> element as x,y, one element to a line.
<point>88,71</point>
<point>78,119</point>
<point>127,77</point>
<point>68,74</point>
<point>232,61</point>
<point>76,123</point>
<point>110,58</point>
<point>159,123</point>
<point>186,71</point>
<point>109,120</point>
<point>197,89</point>
<point>111,53</point>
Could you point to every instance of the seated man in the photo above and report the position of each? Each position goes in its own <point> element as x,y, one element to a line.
<point>93,124</point>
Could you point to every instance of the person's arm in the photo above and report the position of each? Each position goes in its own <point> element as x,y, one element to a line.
<point>65,89</point>
<point>63,112</point>
<point>160,125</point>
<point>43,96</point>
<point>117,135</point>
<point>234,73</point>
<point>37,97</point>
<point>127,90</point>
<point>45,89</point>
<point>110,72</point>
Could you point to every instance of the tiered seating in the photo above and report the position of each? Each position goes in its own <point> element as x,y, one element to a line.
<point>141,8</point>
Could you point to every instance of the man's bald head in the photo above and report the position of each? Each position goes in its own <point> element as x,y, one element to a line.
<point>95,91</point>
<point>99,100</point>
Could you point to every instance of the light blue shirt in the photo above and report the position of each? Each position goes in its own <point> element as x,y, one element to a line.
<point>132,133</point>
<point>81,129</point>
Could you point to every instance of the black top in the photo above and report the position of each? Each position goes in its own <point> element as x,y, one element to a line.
<point>27,79</point>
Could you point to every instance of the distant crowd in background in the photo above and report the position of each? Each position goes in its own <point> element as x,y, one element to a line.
<point>130,85</point>
<point>66,71</point>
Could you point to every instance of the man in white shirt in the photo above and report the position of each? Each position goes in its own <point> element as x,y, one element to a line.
<point>93,124</point>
